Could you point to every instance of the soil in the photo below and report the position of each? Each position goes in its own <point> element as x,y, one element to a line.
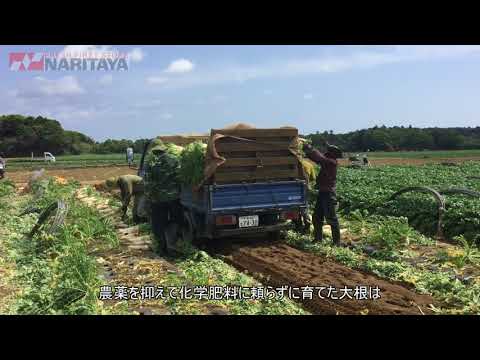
<point>278,264</point>
<point>84,175</point>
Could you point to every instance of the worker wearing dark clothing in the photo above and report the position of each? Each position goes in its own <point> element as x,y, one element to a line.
<point>162,190</point>
<point>365,160</point>
<point>326,186</point>
<point>2,167</point>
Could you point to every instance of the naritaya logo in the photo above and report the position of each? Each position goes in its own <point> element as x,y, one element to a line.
<point>37,61</point>
<point>26,61</point>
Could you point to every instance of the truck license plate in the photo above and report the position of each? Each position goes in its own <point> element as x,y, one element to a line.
<point>248,221</point>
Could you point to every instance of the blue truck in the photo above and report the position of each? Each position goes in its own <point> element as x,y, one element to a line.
<point>219,211</point>
<point>259,190</point>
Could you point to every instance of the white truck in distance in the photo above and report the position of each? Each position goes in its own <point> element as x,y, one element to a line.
<point>47,157</point>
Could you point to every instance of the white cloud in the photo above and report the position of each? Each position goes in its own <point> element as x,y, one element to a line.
<point>41,87</point>
<point>156,80</point>
<point>136,55</point>
<point>74,114</point>
<point>308,96</point>
<point>218,98</point>
<point>180,66</point>
<point>149,104</point>
<point>346,58</point>
<point>166,116</point>
<point>106,79</point>
<point>67,85</point>
<point>12,93</point>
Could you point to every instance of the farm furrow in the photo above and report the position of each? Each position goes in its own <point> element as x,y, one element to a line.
<point>280,265</point>
<point>129,235</point>
<point>133,259</point>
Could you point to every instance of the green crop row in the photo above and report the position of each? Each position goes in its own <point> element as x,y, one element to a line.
<point>371,190</point>
<point>55,272</point>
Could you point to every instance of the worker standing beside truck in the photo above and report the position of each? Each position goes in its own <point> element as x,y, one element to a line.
<point>326,186</point>
<point>162,190</point>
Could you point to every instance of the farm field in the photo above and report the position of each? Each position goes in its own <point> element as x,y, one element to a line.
<point>370,190</point>
<point>70,161</point>
<point>442,154</point>
<point>390,244</point>
<point>118,160</point>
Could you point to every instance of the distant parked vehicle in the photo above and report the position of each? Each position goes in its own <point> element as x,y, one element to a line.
<point>47,157</point>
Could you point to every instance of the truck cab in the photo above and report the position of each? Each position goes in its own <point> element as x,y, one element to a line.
<point>48,157</point>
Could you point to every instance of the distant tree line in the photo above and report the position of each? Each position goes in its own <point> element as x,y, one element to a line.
<point>22,135</point>
<point>399,138</point>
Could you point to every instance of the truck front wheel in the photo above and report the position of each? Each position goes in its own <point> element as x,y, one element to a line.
<point>274,235</point>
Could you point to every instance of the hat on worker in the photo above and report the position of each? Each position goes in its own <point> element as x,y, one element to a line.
<point>335,150</point>
<point>111,182</point>
<point>158,146</point>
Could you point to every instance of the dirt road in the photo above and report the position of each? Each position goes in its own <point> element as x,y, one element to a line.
<point>84,175</point>
<point>278,264</point>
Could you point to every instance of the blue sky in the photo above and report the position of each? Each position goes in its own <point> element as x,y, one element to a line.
<point>191,89</point>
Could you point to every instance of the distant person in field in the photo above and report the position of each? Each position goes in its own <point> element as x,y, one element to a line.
<point>130,156</point>
<point>326,186</point>
<point>2,165</point>
<point>365,160</point>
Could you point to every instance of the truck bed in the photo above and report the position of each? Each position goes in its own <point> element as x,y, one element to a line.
<point>247,196</point>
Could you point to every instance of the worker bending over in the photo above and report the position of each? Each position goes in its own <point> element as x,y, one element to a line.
<point>130,186</point>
